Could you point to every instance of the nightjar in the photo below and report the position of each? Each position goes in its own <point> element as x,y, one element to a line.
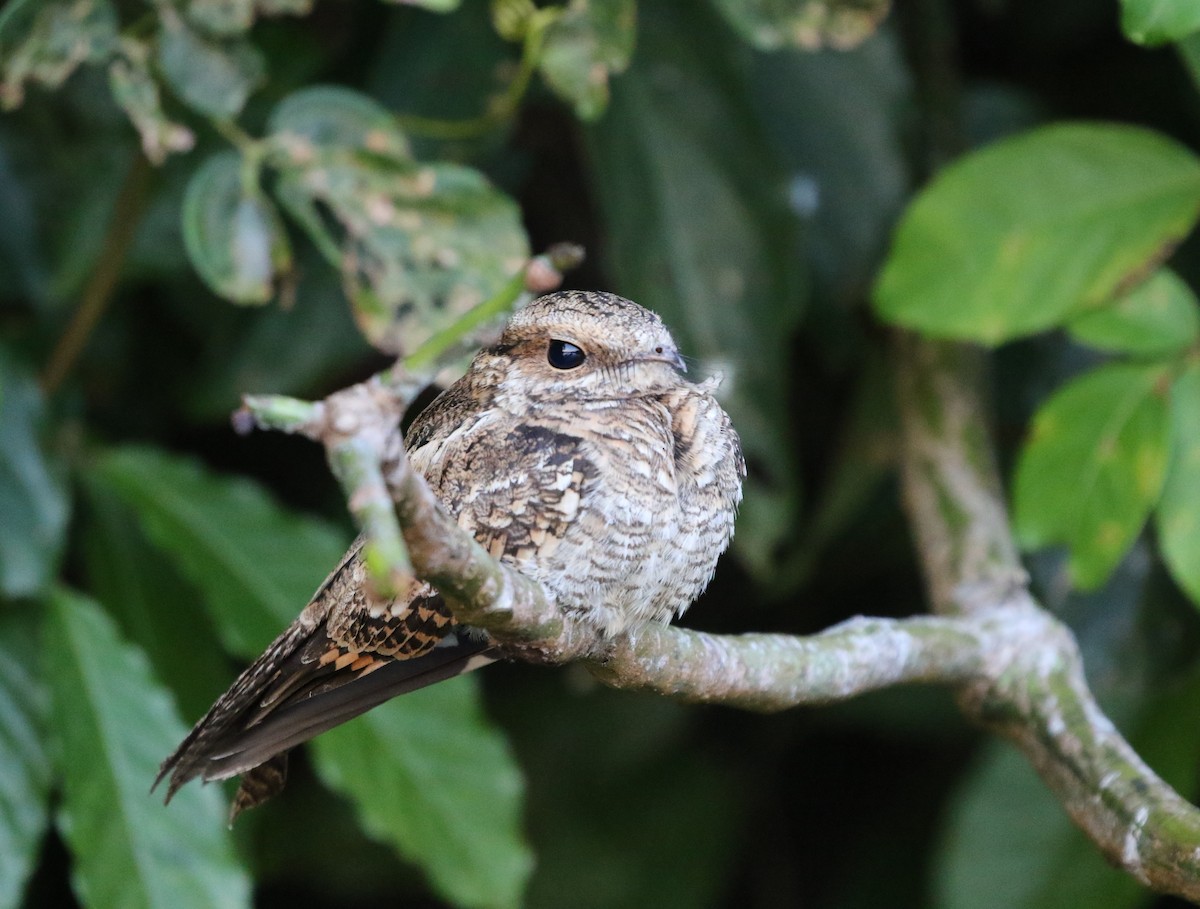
<point>574,451</point>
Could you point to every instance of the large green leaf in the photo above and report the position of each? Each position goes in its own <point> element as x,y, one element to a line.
<point>591,41</point>
<point>637,798</point>
<point>430,775</point>
<point>1017,237</point>
<point>1178,515</point>
<point>256,563</point>
<point>808,24</point>
<point>232,231</point>
<point>1094,466</point>
<point>153,605</point>
<point>690,200</point>
<point>1153,22</point>
<point>113,724</point>
<point>1157,317</point>
<point>24,766</point>
<point>1009,845</point>
<point>33,499</point>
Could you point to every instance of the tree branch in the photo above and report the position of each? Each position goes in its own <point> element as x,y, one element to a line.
<point>1032,687</point>
<point>1017,669</point>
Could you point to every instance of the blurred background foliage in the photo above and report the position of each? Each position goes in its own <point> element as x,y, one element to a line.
<point>356,175</point>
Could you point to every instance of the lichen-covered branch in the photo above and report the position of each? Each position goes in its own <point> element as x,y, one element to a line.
<point>1016,668</point>
<point>1032,687</point>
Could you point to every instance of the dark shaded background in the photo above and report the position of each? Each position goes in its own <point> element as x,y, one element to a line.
<point>891,800</point>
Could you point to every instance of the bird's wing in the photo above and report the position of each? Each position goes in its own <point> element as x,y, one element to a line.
<point>516,489</point>
<point>340,658</point>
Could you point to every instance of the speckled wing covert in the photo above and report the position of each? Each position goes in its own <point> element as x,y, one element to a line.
<point>338,660</point>
<point>342,657</point>
<point>605,477</point>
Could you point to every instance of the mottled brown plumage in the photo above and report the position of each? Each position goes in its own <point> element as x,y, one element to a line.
<point>573,450</point>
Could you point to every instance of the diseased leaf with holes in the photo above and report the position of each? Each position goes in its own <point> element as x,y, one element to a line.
<point>591,41</point>
<point>221,17</point>
<point>233,236</point>
<point>114,723</point>
<point>213,77</point>
<point>698,232</point>
<point>1094,465</point>
<point>807,24</point>
<point>420,244</point>
<point>1178,515</point>
<point>136,91</point>
<point>1159,316</point>
<point>46,42</point>
<point>430,775</point>
<point>33,497</point>
<point>1154,22</point>
<point>331,117</point>
<point>24,764</point>
<point>256,563</point>
<point>436,6</point>
<point>1028,232</point>
<point>224,18</point>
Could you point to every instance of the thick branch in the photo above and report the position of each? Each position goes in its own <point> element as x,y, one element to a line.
<point>1017,668</point>
<point>1033,689</point>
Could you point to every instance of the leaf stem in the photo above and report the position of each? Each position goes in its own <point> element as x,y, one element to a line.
<point>98,292</point>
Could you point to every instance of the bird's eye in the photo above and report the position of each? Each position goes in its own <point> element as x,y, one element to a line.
<point>565,355</point>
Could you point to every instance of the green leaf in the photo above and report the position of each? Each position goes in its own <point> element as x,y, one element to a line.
<point>24,765</point>
<point>331,117</point>
<point>256,563</point>
<point>1159,316</point>
<point>591,41</point>
<point>113,725</point>
<point>693,209</point>
<point>422,244</point>
<point>233,17</point>
<point>436,6</point>
<point>1016,238</point>
<point>629,758</point>
<point>233,234</point>
<point>430,775</point>
<point>1007,844</point>
<point>136,91</point>
<point>46,42</point>
<point>1178,515</point>
<point>151,602</point>
<point>1094,465</point>
<point>807,24</point>
<point>33,497</point>
<point>212,77</point>
<point>1154,22</point>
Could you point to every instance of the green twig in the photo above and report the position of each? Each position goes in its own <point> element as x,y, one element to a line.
<point>356,464</point>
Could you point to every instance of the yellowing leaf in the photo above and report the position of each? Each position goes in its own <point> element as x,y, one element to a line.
<point>1094,466</point>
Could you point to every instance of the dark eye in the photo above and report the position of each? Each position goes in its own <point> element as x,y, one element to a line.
<point>565,355</point>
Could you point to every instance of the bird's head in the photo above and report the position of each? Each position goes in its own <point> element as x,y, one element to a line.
<point>589,345</point>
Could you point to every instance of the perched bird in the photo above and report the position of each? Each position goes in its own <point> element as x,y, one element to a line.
<point>574,451</point>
